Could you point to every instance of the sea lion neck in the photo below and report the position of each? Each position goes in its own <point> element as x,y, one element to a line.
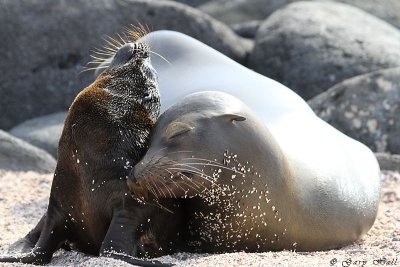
<point>104,123</point>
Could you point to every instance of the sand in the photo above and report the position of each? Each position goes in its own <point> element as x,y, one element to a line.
<point>24,196</point>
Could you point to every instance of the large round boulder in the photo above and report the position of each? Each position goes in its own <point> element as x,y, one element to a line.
<point>238,11</point>
<point>18,155</point>
<point>310,46</point>
<point>47,43</point>
<point>43,132</point>
<point>365,107</point>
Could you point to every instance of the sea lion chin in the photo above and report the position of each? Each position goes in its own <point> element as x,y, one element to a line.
<point>105,134</point>
<point>242,190</point>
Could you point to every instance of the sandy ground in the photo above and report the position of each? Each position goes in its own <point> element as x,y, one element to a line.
<point>23,199</point>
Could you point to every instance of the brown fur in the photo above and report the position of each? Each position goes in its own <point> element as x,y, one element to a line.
<point>104,136</point>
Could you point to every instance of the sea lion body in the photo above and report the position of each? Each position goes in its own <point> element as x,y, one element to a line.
<point>105,134</point>
<point>252,195</point>
<point>319,157</point>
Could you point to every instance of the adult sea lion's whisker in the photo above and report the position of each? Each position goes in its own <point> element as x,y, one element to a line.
<point>166,187</point>
<point>198,184</point>
<point>201,175</point>
<point>215,165</point>
<point>151,189</point>
<point>190,180</point>
<point>157,188</point>
<point>171,175</point>
<point>162,207</point>
<point>189,185</point>
<point>196,170</point>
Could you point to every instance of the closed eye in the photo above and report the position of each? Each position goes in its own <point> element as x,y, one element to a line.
<point>179,133</point>
<point>147,98</point>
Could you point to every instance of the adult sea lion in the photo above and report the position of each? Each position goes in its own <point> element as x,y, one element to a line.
<point>104,135</point>
<point>245,190</point>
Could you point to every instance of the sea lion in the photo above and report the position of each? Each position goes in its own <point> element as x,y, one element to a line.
<point>104,135</point>
<point>245,190</point>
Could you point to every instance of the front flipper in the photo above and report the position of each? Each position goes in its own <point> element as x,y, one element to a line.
<point>120,241</point>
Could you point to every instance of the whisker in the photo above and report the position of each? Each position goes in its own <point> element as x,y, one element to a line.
<point>108,39</point>
<point>177,185</point>
<point>89,69</point>
<point>151,189</point>
<point>166,187</point>
<point>195,189</point>
<point>157,188</point>
<point>213,164</point>
<point>201,175</point>
<point>123,41</point>
<point>160,56</point>
<point>104,53</point>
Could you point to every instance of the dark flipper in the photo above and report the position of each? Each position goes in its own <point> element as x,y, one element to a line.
<point>120,241</point>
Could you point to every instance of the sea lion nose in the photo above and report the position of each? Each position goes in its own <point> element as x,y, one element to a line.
<point>132,182</point>
<point>136,187</point>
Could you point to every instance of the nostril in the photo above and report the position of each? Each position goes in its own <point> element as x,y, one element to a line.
<point>131,178</point>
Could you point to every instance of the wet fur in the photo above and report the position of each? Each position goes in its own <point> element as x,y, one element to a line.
<point>90,207</point>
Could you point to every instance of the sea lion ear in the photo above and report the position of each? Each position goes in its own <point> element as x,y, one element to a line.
<point>177,128</point>
<point>233,117</point>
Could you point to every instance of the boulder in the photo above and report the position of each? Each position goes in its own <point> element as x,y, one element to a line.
<point>310,46</point>
<point>18,155</point>
<point>47,43</point>
<point>239,11</point>
<point>43,132</point>
<point>366,108</point>
<point>388,162</point>
<point>247,29</point>
<point>193,3</point>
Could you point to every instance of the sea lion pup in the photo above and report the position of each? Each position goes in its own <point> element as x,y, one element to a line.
<point>243,192</point>
<point>105,134</point>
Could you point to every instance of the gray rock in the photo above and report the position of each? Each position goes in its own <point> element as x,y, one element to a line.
<point>366,108</point>
<point>247,29</point>
<point>387,10</point>
<point>18,155</point>
<point>43,132</point>
<point>388,162</point>
<point>310,46</point>
<point>193,3</point>
<point>47,43</point>
<point>239,11</point>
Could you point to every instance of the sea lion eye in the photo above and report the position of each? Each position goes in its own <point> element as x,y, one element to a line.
<point>146,98</point>
<point>176,129</point>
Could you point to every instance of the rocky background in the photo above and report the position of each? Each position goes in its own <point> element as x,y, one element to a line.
<point>342,56</point>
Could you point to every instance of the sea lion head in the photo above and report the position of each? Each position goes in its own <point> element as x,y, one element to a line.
<point>130,74</point>
<point>119,107</point>
<point>188,146</point>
